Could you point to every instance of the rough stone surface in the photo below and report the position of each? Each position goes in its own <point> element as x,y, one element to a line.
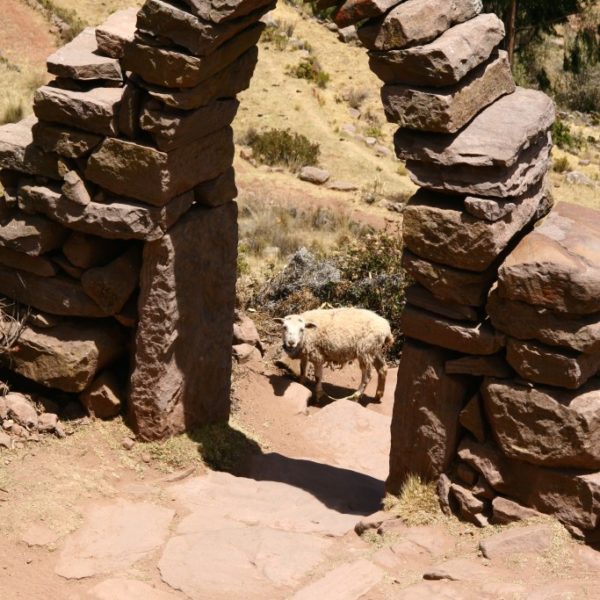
<point>67,356</point>
<point>116,31</point>
<point>420,297</point>
<point>30,234</point>
<point>438,229</point>
<point>468,338</point>
<point>505,511</point>
<point>471,418</point>
<point>172,129</point>
<point>546,426</point>
<point>169,68</point>
<point>64,140</point>
<point>416,22</point>
<point>353,11</point>
<point>550,366</point>
<point>218,11</point>
<point>314,175</point>
<point>38,265</point>
<point>244,330</point>
<point>470,507</point>
<point>95,110</point>
<point>39,535</point>
<point>480,366</point>
<point>525,322</point>
<point>111,285</point>
<point>129,112</point>
<point>557,266</point>
<point>85,251</point>
<point>535,539</point>
<point>217,191</point>
<point>446,110</point>
<point>21,410</point>
<point>128,589</point>
<point>489,209</point>
<point>114,537</point>
<point>449,284</point>
<point>228,82</point>
<point>577,504</point>
<point>18,152</point>
<point>199,36</point>
<point>444,61</point>
<point>116,218</point>
<point>80,60</point>
<point>426,411</point>
<point>156,177</point>
<point>103,397</point>
<point>185,329</point>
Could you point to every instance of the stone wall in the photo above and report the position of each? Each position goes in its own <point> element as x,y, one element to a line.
<point>118,226</point>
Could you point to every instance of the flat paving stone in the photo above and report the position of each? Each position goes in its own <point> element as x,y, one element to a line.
<point>128,589</point>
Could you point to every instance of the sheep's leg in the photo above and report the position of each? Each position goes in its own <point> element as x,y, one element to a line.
<point>303,365</point>
<point>381,369</point>
<point>319,393</point>
<point>365,368</point>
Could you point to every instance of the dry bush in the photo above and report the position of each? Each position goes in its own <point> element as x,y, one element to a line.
<point>561,165</point>
<point>418,503</point>
<point>309,69</point>
<point>356,97</point>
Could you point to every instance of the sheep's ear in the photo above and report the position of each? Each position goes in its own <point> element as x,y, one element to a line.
<point>310,325</point>
<point>278,320</point>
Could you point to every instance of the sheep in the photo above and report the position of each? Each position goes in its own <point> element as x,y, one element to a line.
<point>335,337</point>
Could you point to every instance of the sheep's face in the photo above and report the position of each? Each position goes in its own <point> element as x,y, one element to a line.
<point>294,328</point>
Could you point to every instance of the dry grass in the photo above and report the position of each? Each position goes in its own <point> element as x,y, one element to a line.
<point>417,504</point>
<point>94,12</point>
<point>16,91</point>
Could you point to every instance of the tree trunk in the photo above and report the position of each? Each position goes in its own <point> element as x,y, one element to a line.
<point>511,30</point>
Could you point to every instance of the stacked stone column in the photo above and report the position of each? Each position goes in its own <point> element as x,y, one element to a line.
<point>118,226</point>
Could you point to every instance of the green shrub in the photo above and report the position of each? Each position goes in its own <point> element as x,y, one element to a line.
<point>564,138</point>
<point>282,147</point>
<point>278,33</point>
<point>309,69</point>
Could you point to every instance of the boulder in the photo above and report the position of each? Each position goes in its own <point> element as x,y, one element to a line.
<point>244,353</point>
<point>525,322</point>
<point>21,410</point>
<point>111,285</point>
<point>75,190</point>
<point>557,266</point>
<point>48,423</point>
<point>182,359</point>
<point>80,60</point>
<point>472,419</point>
<point>505,511</point>
<point>244,330</point>
<point>533,539</point>
<point>416,22</point>
<point>63,140</point>
<point>446,60</point>
<point>354,11</point>
<point>314,175</point>
<point>572,497</point>
<point>489,209</point>
<point>172,128</point>
<point>38,265</point>
<point>114,218</point>
<point>437,228</point>
<point>420,297</point>
<point>68,356</point>
<point>217,191</point>
<point>425,424</point>
<point>200,37</point>
<point>468,338</point>
<point>30,234</point>
<point>449,284</point>
<point>169,68</point>
<point>545,426</point>
<point>18,152</point>
<point>67,267</point>
<point>85,251</point>
<point>227,83</point>
<point>116,31</point>
<point>446,110</point>
<point>218,11</point>
<point>550,366</point>
<point>470,507</point>
<point>95,110</point>
<point>103,398</point>
<point>480,366</point>
<point>147,174</point>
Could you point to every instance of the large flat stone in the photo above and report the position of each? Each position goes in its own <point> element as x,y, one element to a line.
<point>199,36</point>
<point>468,338</point>
<point>353,11</point>
<point>54,295</point>
<point>115,218</point>
<point>446,110</point>
<point>496,138</point>
<point>425,424</point>
<point>172,128</point>
<point>444,61</point>
<point>30,234</point>
<point>526,322</point>
<point>69,355</point>
<point>480,366</point>
<point>437,228</point>
<point>447,283</point>
<point>546,426</point>
<point>172,69</point>
<point>18,152</point>
<point>155,177</point>
<point>217,191</point>
<point>218,11</point>
<point>38,265</point>
<point>495,181</point>
<point>420,297</point>
<point>182,359</point>
<point>416,22</point>
<point>534,539</point>
<point>86,251</point>
<point>550,366</point>
<point>116,31</point>
<point>80,60</point>
<point>95,110</point>
<point>557,266</point>
<point>128,589</point>
<point>63,140</point>
<point>572,497</point>
<point>227,83</point>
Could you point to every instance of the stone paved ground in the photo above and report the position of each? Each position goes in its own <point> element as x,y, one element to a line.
<point>286,530</point>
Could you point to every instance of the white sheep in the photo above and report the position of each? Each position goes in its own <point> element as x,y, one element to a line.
<point>335,337</point>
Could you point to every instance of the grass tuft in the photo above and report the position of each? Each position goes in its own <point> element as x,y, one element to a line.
<point>417,504</point>
<point>310,70</point>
